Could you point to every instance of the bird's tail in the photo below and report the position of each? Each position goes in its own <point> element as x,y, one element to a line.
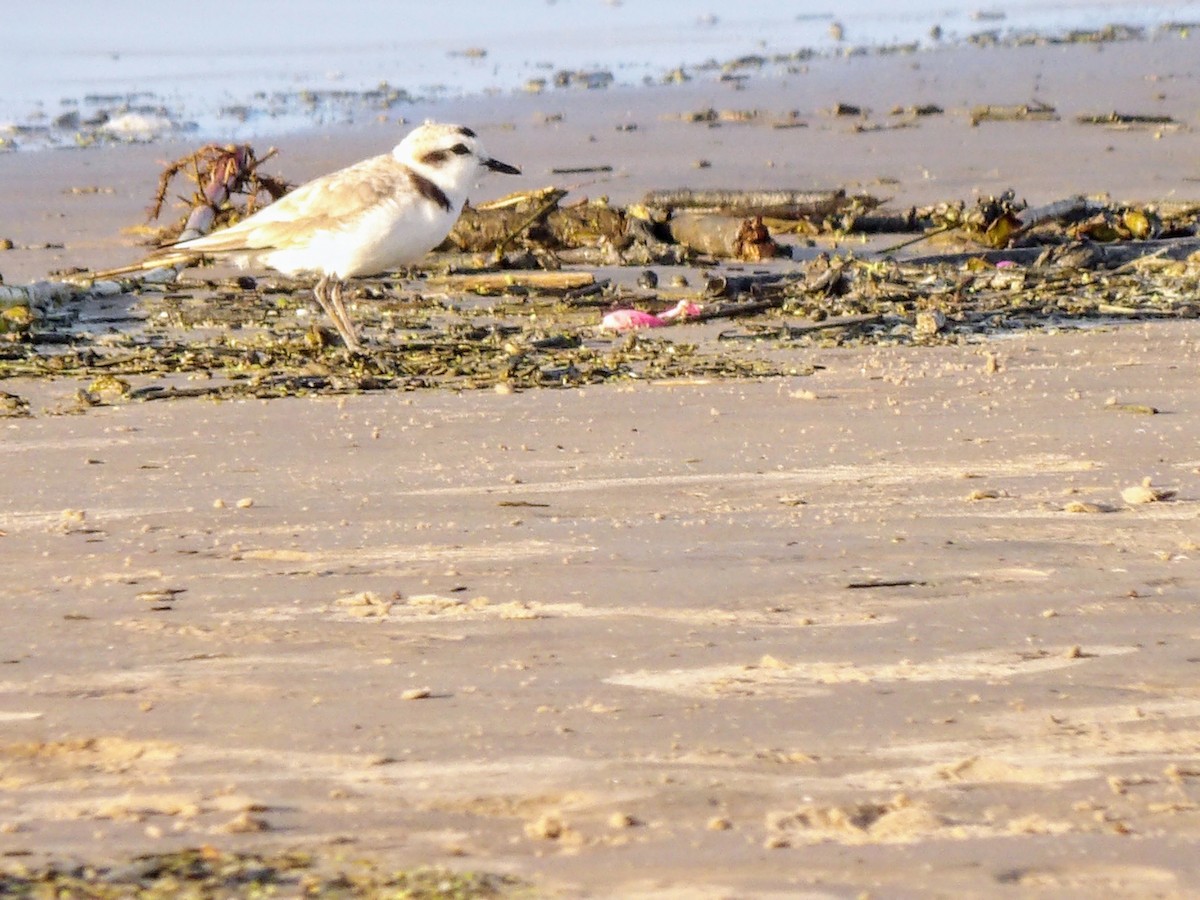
<point>163,258</point>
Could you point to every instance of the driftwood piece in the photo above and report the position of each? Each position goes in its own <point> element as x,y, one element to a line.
<point>501,282</point>
<point>546,223</point>
<point>728,237</point>
<point>1116,254</point>
<point>547,201</point>
<point>1024,112</point>
<point>924,236</point>
<point>580,170</point>
<point>1124,119</point>
<point>1069,209</point>
<point>1123,253</point>
<point>594,294</point>
<point>732,309</point>
<point>771,204</point>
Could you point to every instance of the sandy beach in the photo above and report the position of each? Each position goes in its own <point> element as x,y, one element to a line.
<point>894,624</point>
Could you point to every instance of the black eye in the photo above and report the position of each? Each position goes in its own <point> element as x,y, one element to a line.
<point>460,149</point>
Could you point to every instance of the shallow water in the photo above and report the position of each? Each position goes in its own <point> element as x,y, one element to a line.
<point>236,71</point>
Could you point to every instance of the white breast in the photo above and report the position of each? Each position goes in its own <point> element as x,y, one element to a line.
<point>393,233</point>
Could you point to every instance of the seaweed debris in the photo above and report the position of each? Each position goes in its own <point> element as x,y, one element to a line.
<point>515,298</point>
<point>218,174</point>
<point>207,873</point>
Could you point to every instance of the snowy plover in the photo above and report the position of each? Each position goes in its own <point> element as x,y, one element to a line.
<point>368,218</point>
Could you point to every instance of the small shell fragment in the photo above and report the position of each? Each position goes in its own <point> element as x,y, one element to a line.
<point>1146,493</point>
<point>1140,409</point>
<point>244,823</point>
<point>983,494</point>
<point>621,820</point>
<point>548,828</point>
<point>365,605</point>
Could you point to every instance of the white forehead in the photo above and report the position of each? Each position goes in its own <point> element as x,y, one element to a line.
<point>440,134</point>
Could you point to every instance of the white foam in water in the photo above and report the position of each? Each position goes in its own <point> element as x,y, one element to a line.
<point>242,70</point>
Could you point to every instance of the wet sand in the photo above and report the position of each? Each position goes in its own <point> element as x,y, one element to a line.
<point>886,628</point>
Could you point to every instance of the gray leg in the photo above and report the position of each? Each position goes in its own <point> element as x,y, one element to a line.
<point>345,326</point>
<point>329,294</point>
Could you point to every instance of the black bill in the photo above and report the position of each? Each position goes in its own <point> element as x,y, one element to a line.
<point>496,166</point>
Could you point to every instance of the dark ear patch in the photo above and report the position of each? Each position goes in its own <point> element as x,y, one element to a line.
<point>434,157</point>
<point>466,132</point>
<point>429,190</point>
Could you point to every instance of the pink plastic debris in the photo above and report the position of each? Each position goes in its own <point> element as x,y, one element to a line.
<point>684,309</point>
<point>632,319</point>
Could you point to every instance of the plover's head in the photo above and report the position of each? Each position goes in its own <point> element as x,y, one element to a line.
<point>448,155</point>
